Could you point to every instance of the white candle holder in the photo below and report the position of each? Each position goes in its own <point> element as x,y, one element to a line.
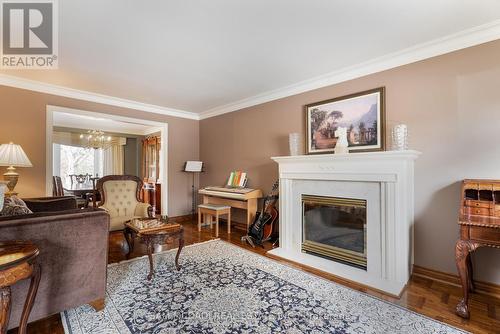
<point>295,142</point>
<point>399,137</point>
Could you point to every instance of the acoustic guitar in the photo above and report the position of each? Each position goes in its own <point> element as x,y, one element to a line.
<point>265,225</point>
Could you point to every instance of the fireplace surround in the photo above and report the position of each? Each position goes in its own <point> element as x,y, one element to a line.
<point>375,240</point>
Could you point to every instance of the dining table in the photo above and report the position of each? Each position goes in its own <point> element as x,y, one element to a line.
<point>80,189</point>
<point>86,192</point>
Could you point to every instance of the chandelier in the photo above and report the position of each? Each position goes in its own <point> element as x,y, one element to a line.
<point>96,139</point>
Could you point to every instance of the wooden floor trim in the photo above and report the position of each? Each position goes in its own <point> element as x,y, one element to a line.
<point>180,219</point>
<point>485,288</point>
<point>337,279</point>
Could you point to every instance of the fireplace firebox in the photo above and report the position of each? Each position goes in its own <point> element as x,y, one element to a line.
<point>335,228</point>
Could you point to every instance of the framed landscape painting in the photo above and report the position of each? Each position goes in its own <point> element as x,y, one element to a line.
<point>362,114</point>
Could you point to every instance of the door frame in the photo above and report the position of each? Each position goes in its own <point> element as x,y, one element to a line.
<point>162,126</point>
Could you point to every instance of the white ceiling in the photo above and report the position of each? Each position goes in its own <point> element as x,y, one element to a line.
<point>85,122</point>
<point>198,56</point>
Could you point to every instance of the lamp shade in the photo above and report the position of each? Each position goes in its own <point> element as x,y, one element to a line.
<point>13,155</point>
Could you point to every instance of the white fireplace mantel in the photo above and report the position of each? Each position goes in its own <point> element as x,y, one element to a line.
<point>385,180</point>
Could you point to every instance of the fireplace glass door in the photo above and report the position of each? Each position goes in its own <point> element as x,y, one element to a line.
<point>335,228</point>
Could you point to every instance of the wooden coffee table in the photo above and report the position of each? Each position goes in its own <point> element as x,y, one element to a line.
<point>151,232</point>
<point>17,262</point>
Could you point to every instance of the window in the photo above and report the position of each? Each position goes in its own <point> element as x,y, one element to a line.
<point>70,160</point>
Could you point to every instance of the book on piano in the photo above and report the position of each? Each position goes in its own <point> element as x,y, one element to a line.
<point>237,179</point>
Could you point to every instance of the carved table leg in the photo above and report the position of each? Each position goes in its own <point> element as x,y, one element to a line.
<point>462,252</point>
<point>181,245</point>
<point>149,246</point>
<point>4,309</point>
<point>129,238</point>
<point>30,298</point>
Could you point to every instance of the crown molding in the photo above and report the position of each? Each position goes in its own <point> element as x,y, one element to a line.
<point>42,87</point>
<point>461,40</point>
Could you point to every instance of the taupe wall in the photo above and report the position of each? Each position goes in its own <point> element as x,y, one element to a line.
<point>23,118</point>
<point>451,104</point>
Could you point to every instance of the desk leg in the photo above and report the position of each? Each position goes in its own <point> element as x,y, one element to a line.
<point>4,309</point>
<point>471,273</point>
<point>30,298</point>
<point>462,258</point>
<point>251,211</point>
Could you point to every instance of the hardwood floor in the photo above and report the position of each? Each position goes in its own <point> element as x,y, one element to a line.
<point>431,298</point>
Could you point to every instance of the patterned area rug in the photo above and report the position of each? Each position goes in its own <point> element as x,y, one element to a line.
<point>223,288</point>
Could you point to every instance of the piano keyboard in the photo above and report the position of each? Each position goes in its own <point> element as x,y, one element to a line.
<point>230,190</point>
<point>240,198</point>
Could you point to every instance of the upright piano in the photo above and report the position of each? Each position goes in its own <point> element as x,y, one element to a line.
<point>241,198</point>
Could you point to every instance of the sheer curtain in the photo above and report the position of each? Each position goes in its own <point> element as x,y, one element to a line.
<point>114,160</point>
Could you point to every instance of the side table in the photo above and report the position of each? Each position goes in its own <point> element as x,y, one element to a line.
<point>17,262</point>
<point>151,232</point>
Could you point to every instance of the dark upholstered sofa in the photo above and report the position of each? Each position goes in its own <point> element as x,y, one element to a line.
<point>73,247</point>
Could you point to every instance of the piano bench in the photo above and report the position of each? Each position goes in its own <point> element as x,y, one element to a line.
<point>214,210</point>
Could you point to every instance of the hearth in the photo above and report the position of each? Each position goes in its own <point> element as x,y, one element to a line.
<point>335,228</point>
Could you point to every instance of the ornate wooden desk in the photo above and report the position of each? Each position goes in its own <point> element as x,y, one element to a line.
<point>479,222</point>
<point>17,262</point>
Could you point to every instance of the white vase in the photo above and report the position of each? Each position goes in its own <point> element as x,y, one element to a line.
<point>400,137</point>
<point>295,143</point>
<point>3,189</point>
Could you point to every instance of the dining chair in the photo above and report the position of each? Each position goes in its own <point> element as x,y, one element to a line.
<point>58,190</point>
<point>80,178</point>
<point>94,197</point>
<point>57,186</point>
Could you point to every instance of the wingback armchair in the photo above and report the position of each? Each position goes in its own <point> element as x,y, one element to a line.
<point>120,197</point>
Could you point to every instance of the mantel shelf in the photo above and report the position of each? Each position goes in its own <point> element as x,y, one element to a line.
<point>380,155</point>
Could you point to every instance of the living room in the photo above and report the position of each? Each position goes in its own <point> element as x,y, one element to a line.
<point>301,166</point>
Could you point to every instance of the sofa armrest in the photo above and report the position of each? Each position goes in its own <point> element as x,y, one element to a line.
<point>51,204</point>
<point>73,256</point>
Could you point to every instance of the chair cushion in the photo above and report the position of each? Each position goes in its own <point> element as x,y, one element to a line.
<point>214,206</point>
<point>118,223</point>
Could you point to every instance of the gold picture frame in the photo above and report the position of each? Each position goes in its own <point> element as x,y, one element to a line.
<point>362,113</point>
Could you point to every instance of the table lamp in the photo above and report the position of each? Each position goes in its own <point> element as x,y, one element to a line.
<point>12,156</point>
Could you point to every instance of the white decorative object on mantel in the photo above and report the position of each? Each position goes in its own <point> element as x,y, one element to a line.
<point>399,137</point>
<point>3,189</point>
<point>385,180</point>
<point>295,140</point>
<point>342,145</point>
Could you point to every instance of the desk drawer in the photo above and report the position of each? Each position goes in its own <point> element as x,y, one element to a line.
<point>485,234</point>
<point>477,204</point>
<point>478,211</point>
